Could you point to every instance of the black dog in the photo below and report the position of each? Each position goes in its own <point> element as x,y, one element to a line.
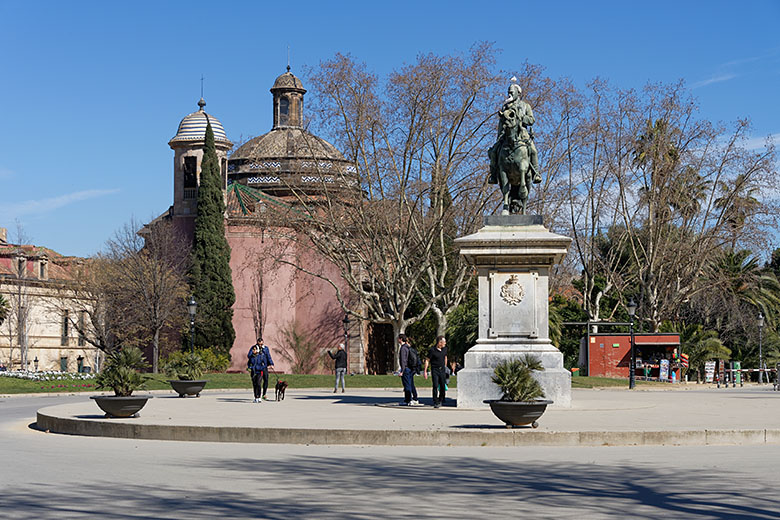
<point>281,386</point>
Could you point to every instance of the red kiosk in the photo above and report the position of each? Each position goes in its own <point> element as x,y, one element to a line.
<point>609,355</point>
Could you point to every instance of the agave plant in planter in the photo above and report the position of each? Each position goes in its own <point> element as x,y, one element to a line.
<point>121,374</point>
<point>185,371</point>
<point>523,400</point>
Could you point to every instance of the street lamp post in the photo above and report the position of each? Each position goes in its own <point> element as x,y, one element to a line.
<point>631,307</point>
<point>192,308</point>
<point>345,322</point>
<point>760,349</point>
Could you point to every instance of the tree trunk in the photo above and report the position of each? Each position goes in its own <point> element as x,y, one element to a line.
<point>156,351</point>
<point>441,321</point>
<point>399,327</point>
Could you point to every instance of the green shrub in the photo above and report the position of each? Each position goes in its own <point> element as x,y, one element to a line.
<point>186,367</point>
<point>515,379</point>
<point>121,372</point>
<point>210,360</point>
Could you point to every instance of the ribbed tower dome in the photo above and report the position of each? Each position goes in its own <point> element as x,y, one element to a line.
<point>289,157</point>
<point>288,81</point>
<point>193,127</point>
<point>287,143</point>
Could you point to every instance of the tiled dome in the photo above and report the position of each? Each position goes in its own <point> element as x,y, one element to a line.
<point>292,143</point>
<point>288,81</point>
<point>193,126</point>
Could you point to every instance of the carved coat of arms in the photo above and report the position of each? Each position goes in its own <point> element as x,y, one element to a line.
<point>512,292</point>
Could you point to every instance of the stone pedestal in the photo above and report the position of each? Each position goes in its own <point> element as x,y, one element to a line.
<point>513,255</point>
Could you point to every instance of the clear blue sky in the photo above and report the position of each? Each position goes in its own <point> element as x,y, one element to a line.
<point>91,92</point>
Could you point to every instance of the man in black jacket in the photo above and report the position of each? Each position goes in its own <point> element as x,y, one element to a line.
<point>437,359</point>
<point>341,366</point>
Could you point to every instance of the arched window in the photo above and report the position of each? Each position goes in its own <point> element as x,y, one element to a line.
<point>284,110</point>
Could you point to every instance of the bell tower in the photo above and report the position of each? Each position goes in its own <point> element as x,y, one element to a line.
<point>288,94</point>
<point>187,145</point>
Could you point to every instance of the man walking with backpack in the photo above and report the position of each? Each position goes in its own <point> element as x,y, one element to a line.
<point>410,364</point>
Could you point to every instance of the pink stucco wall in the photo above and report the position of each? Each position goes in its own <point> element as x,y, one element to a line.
<point>288,295</point>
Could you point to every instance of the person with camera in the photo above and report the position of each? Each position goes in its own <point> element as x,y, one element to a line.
<point>259,360</point>
<point>341,367</point>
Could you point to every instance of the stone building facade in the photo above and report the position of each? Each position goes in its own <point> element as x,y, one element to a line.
<point>39,332</point>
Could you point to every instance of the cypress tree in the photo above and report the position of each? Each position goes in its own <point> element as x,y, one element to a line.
<point>212,283</point>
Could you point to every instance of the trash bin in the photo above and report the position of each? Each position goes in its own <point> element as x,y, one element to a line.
<point>575,372</point>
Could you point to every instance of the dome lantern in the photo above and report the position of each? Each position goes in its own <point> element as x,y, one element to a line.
<point>288,94</point>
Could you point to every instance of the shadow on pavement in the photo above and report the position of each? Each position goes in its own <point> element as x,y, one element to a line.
<point>431,486</point>
<point>348,399</point>
<point>490,427</point>
<point>388,402</point>
<point>236,399</point>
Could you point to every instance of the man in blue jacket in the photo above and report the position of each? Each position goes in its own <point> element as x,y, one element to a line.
<point>259,361</point>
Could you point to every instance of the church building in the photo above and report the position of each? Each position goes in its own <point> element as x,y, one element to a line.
<point>297,314</point>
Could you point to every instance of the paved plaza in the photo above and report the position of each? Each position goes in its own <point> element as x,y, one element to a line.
<point>48,475</point>
<point>689,415</point>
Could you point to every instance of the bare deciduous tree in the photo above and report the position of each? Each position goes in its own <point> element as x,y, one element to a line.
<point>149,279</point>
<point>677,197</point>
<point>21,304</point>
<point>418,141</point>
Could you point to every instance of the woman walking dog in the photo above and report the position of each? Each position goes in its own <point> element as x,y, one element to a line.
<point>259,361</point>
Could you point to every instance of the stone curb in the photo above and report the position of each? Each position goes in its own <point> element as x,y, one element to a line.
<point>120,428</point>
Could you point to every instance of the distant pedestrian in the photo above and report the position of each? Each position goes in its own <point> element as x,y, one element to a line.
<point>259,360</point>
<point>437,358</point>
<point>410,362</point>
<point>341,367</point>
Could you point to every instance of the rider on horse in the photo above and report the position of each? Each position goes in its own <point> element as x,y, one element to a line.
<point>515,106</point>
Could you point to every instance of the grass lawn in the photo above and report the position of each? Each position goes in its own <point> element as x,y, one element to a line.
<point>9,385</point>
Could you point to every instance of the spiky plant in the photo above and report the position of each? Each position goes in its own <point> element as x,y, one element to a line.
<point>187,367</point>
<point>3,309</point>
<point>120,372</point>
<point>515,379</point>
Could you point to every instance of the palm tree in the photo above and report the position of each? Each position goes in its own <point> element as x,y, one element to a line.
<point>751,285</point>
<point>689,190</point>
<point>3,309</point>
<point>736,204</point>
<point>700,344</point>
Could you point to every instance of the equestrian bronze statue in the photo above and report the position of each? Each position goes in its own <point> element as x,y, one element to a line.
<point>513,159</point>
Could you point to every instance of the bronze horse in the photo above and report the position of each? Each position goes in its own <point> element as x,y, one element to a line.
<point>515,174</point>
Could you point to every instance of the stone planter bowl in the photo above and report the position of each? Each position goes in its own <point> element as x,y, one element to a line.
<point>119,406</point>
<point>185,387</point>
<point>518,413</point>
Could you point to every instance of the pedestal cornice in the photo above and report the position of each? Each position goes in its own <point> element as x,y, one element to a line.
<point>513,245</point>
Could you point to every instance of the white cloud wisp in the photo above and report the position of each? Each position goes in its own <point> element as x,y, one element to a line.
<point>42,206</point>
